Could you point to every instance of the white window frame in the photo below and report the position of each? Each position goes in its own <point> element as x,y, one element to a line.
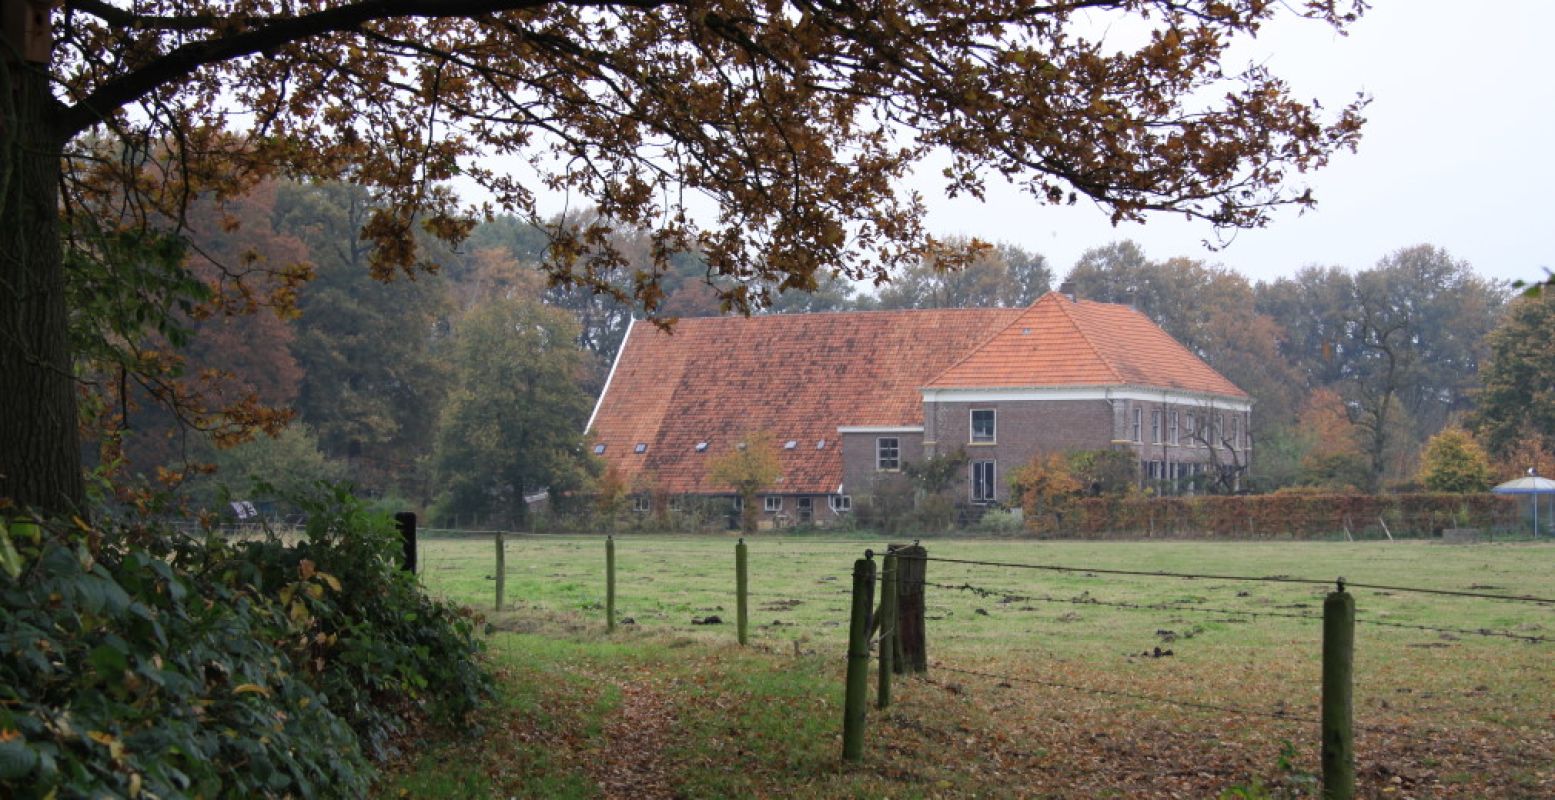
<point>991,485</point>
<point>993,434</point>
<point>896,454</point>
<point>772,503</point>
<point>642,503</point>
<point>840,503</point>
<point>1155,426</point>
<point>1176,431</point>
<point>1139,425</point>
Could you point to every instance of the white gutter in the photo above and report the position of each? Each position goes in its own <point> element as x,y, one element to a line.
<point>627,337</point>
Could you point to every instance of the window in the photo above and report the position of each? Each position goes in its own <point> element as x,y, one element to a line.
<point>790,444</point>
<point>888,455</point>
<point>642,503</point>
<point>841,503</point>
<point>1236,431</point>
<point>982,482</point>
<point>739,503</point>
<point>773,502</point>
<point>820,445</point>
<point>1155,426</point>
<point>806,506</point>
<point>642,447</point>
<point>983,425</point>
<point>1220,427</point>
<point>1139,423</point>
<point>701,447</point>
<point>599,449</point>
<point>1175,439</point>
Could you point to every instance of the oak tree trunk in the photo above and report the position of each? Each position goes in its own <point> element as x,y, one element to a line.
<point>40,458</point>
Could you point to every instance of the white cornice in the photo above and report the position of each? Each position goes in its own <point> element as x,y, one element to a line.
<point>620,351</point>
<point>1140,393</point>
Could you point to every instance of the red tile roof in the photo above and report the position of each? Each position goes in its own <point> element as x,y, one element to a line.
<point>1061,342</point>
<point>798,377</point>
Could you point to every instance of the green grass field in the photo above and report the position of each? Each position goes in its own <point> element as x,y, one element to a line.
<point>1082,704</point>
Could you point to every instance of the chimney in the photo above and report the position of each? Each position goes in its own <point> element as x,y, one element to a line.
<point>1067,289</point>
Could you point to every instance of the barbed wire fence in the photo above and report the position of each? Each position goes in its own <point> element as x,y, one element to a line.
<point>1338,620</point>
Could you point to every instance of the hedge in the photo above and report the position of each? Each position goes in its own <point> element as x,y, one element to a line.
<point>1276,516</point>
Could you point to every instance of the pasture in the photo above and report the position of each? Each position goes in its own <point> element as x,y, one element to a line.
<point>1041,683</point>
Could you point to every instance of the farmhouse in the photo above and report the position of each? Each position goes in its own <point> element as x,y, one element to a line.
<point>851,397</point>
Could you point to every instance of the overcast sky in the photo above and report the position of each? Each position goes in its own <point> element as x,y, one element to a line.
<point>1457,151</point>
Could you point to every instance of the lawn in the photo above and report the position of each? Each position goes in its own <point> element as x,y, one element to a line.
<point>1064,684</point>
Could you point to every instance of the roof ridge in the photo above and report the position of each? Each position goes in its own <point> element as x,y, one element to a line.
<point>977,348</point>
<point>1085,336</point>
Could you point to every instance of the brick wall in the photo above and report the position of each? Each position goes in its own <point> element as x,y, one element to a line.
<point>858,458</point>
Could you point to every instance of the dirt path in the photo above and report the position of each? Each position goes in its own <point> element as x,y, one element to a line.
<point>629,764</point>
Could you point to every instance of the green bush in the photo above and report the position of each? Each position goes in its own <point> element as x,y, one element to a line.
<point>142,663</point>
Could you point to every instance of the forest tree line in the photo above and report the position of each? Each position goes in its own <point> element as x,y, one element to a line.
<point>467,387</point>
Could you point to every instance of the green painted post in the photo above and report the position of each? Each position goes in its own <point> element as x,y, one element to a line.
<point>856,702</point>
<point>1338,707</point>
<point>610,584</point>
<point>741,585</point>
<point>887,628</point>
<point>502,569</point>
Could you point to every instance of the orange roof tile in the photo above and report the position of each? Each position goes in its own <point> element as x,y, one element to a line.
<point>799,377</point>
<point>1060,342</point>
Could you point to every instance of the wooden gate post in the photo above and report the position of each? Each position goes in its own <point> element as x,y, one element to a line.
<point>912,654</point>
<point>856,700</point>
<point>887,629</point>
<point>741,585</point>
<point>1338,709</point>
<point>406,522</point>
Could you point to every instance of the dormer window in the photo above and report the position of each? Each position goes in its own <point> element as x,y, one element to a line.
<point>599,449</point>
<point>642,447</point>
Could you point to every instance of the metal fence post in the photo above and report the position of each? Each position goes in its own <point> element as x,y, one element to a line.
<point>856,701</point>
<point>1338,707</point>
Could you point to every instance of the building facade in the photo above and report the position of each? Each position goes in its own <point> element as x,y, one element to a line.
<point>851,398</point>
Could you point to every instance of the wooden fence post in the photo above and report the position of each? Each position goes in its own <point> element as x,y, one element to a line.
<point>887,628</point>
<point>912,654</point>
<point>610,584</point>
<point>406,522</point>
<point>502,568</point>
<point>856,701</point>
<point>741,585</point>
<point>1338,708</point>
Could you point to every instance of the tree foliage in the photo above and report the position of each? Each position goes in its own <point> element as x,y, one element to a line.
<point>797,123</point>
<point>749,469</point>
<point>1454,462</point>
<point>513,423</point>
<point>996,276</point>
<point>1517,403</point>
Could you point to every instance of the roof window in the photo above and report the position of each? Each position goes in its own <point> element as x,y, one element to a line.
<point>599,449</point>
<point>790,444</point>
<point>642,447</point>
<point>701,447</point>
<point>821,445</point>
